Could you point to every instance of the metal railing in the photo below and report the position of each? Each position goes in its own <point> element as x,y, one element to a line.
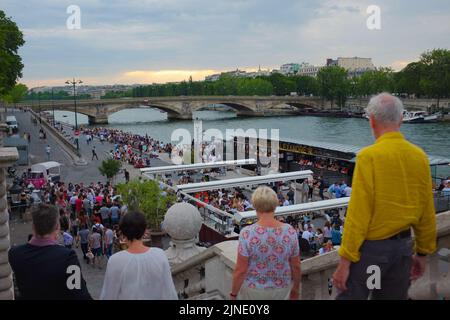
<point>441,202</point>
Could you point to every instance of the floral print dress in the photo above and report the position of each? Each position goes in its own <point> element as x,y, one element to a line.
<point>269,251</point>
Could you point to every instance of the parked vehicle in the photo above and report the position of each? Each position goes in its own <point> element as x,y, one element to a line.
<point>43,172</point>
<point>11,122</point>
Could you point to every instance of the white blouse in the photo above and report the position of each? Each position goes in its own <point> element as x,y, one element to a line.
<point>138,276</point>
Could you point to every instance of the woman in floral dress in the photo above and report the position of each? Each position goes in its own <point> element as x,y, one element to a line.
<point>268,262</point>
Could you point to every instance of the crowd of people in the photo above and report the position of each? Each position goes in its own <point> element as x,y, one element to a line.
<point>89,216</point>
<point>133,149</point>
<point>444,187</point>
<point>340,190</point>
<point>230,201</point>
<point>329,165</point>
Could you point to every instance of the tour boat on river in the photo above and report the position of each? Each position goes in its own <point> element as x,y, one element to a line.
<point>419,117</point>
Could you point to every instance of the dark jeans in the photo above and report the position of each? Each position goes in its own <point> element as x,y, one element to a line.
<point>321,194</point>
<point>394,258</point>
<point>114,221</point>
<point>106,221</point>
<point>84,249</point>
<point>74,230</point>
<point>108,250</point>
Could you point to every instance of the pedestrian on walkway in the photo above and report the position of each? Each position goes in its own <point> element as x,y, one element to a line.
<point>321,185</point>
<point>392,194</point>
<point>68,239</point>
<point>95,243</point>
<point>139,272</point>
<point>304,190</point>
<point>127,175</point>
<point>108,243</point>
<point>40,266</point>
<point>94,153</point>
<point>83,240</point>
<point>47,151</point>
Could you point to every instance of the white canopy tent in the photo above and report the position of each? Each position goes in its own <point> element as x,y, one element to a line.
<point>197,166</point>
<point>45,165</point>
<point>299,208</point>
<point>240,182</point>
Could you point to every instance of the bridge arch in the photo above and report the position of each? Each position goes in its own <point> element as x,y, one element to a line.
<point>297,105</point>
<point>239,108</point>
<point>69,109</point>
<point>172,112</point>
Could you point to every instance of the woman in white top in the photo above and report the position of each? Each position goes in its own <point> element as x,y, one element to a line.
<point>140,272</point>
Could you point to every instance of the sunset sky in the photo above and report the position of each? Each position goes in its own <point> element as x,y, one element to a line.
<point>146,41</point>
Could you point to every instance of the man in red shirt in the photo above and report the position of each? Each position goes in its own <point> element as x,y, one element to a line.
<point>79,204</point>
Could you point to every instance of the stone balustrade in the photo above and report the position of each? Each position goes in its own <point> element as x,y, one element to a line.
<point>208,275</point>
<point>7,157</point>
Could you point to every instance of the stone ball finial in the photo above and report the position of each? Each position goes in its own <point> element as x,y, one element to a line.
<point>182,221</point>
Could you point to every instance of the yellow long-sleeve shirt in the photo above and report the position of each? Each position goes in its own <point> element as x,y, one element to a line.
<point>391,191</point>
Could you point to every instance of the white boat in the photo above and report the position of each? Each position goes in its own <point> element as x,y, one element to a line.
<point>420,117</point>
<point>417,117</point>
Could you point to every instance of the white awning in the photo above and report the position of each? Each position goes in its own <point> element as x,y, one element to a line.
<point>240,182</point>
<point>299,208</point>
<point>198,166</point>
<point>45,165</point>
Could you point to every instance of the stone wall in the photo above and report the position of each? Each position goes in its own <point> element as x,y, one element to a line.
<point>7,157</point>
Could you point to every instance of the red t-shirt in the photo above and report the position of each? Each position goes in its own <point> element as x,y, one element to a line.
<point>99,200</point>
<point>78,204</point>
<point>96,219</point>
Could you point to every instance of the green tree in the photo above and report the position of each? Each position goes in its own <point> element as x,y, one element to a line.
<point>436,73</point>
<point>16,94</point>
<point>306,85</point>
<point>282,85</point>
<point>250,87</point>
<point>334,84</point>
<point>11,39</point>
<point>110,168</point>
<point>408,79</point>
<point>146,196</point>
<point>373,82</point>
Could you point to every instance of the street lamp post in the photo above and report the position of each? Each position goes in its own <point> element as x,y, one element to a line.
<point>74,82</point>
<point>53,108</point>
<point>39,101</point>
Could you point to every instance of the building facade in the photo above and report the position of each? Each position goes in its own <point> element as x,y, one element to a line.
<point>309,70</point>
<point>355,66</point>
<point>289,68</point>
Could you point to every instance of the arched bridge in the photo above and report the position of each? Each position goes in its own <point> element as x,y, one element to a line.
<point>180,107</point>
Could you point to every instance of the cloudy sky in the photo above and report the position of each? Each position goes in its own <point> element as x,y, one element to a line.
<point>146,41</point>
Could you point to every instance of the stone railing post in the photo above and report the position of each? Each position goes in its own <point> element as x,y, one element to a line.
<point>7,157</point>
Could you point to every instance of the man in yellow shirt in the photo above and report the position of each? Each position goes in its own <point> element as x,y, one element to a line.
<point>392,193</point>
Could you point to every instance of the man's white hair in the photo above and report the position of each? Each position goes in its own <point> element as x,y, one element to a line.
<point>385,108</point>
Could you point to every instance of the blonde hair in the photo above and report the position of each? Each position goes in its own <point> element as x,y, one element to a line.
<point>264,199</point>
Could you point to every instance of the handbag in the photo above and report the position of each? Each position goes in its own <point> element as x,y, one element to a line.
<point>90,255</point>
